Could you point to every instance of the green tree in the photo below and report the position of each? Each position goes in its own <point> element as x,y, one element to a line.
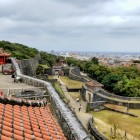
<point>111,80</point>
<point>128,87</point>
<point>19,51</point>
<point>95,60</point>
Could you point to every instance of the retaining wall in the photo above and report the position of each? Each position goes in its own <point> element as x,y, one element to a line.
<point>124,101</point>
<point>104,92</point>
<point>97,97</point>
<point>94,131</point>
<point>29,66</point>
<point>74,74</point>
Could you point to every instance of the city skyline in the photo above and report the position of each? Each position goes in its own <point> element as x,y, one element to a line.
<point>63,25</point>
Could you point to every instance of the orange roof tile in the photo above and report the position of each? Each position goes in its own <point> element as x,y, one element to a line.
<point>93,83</point>
<point>26,123</point>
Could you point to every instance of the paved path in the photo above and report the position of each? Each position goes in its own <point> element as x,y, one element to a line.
<point>6,83</point>
<point>82,116</point>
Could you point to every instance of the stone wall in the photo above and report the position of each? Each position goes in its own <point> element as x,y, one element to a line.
<point>106,98</point>
<point>97,97</point>
<point>96,105</point>
<point>83,93</point>
<point>29,66</point>
<point>104,92</point>
<point>66,71</point>
<point>75,75</point>
<point>94,131</point>
<point>76,71</point>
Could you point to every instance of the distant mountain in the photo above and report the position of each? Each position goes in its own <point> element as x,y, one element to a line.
<point>19,51</point>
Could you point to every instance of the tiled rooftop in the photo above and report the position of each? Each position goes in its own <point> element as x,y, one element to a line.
<point>93,83</point>
<point>20,101</point>
<point>28,123</point>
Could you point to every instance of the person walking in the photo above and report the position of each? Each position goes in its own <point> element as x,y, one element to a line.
<point>80,107</point>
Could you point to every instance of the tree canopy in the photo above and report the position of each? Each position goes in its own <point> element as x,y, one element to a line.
<point>123,81</point>
<point>19,51</point>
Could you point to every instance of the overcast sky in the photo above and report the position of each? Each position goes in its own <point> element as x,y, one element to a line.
<point>72,25</point>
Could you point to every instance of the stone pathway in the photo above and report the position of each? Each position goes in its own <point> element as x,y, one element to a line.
<point>81,115</point>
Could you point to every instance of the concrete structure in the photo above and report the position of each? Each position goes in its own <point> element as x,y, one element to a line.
<point>89,89</point>
<point>29,66</point>
<point>29,94</point>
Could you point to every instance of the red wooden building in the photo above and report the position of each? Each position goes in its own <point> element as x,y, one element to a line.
<point>3,56</point>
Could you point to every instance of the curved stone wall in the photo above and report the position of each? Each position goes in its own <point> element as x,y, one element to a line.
<point>94,131</point>
<point>119,97</point>
<point>99,96</point>
<point>75,75</point>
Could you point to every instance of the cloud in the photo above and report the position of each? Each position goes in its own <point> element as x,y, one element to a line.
<point>71,24</point>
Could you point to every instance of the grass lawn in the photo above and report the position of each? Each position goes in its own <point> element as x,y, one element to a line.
<point>135,111</point>
<point>103,130</point>
<point>71,84</point>
<point>44,66</point>
<point>51,77</point>
<point>126,122</point>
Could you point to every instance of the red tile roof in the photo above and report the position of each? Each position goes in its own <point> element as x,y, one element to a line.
<point>28,123</point>
<point>22,100</point>
<point>93,83</point>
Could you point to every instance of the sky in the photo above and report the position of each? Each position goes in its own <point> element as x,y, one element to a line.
<point>72,25</point>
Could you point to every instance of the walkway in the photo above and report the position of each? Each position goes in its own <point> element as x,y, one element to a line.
<point>82,116</point>
<point>6,83</point>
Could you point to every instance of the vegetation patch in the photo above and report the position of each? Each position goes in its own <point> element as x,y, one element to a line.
<point>75,95</point>
<point>50,77</point>
<point>71,84</point>
<point>19,51</point>
<point>45,66</point>
<point>59,91</point>
<point>124,122</point>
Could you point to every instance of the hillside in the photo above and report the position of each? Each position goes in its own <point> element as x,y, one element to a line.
<point>19,51</point>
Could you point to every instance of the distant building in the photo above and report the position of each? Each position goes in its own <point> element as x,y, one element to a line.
<point>58,68</point>
<point>3,56</point>
<point>62,62</point>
